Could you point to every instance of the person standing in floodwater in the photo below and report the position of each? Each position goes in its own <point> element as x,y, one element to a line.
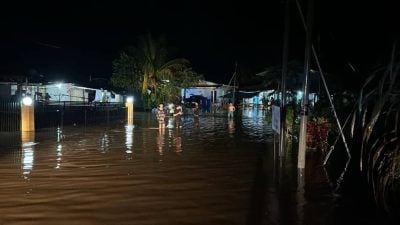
<point>161,116</point>
<point>231,109</point>
<point>195,109</point>
<point>177,115</point>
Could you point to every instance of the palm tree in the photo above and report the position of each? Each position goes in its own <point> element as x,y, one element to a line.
<point>147,69</point>
<point>157,68</point>
<point>375,132</point>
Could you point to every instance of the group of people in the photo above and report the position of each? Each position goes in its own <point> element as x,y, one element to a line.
<point>177,112</point>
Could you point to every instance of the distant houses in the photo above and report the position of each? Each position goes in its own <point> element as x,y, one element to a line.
<point>57,92</point>
<point>206,93</point>
<point>209,93</point>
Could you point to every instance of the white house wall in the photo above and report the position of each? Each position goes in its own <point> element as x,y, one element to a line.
<point>206,92</point>
<point>257,100</point>
<point>118,98</point>
<point>58,92</point>
<point>65,92</point>
<point>77,94</point>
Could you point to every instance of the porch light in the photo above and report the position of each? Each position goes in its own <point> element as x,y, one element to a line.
<point>27,101</point>
<point>129,99</point>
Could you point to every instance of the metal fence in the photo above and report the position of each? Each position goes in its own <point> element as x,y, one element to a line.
<point>60,114</point>
<point>80,113</point>
<point>10,115</point>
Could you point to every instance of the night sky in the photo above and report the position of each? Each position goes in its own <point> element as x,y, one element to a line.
<point>75,40</point>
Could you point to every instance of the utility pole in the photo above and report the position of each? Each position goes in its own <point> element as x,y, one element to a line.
<point>234,84</point>
<point>301,163</point>
<point>283,81</point>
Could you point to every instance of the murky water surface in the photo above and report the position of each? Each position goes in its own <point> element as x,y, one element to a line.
<point>210,171</point>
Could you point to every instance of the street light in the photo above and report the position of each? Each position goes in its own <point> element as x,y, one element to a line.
<point>299,95</point>
<point>59,85</point>
<point>129,99</point>
<point>27,101</point>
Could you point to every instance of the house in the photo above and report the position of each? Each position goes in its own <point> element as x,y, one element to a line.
<point>7,89</point>
<point>57,92</point>
<point>250,98</point>
<point>12,90</point>
<point>207,90</point>
<point>206,93</point>
<point>270,79</point>
<point>72,92</point>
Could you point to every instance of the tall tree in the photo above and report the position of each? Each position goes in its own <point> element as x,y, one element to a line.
<point>127,70</point>
<point>149,70</point>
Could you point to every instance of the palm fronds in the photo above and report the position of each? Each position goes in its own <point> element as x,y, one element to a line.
<point>378,117</point>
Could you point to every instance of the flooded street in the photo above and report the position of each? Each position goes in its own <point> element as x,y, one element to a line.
<point>210,171</point>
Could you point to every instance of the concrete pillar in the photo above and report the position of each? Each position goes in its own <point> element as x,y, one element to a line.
<point>27,115</point>
<point>27,137</point>
<point>129,107</point>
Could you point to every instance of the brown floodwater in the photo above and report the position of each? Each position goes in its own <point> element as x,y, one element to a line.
<point>210,171</point>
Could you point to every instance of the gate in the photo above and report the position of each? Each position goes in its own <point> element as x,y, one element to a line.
<point>10,115</point>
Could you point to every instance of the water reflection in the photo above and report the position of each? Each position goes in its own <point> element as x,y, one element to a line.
<point>300,196</point>
<point>104,143</point>
<point>59,156</point>
<point>170,138</point>
<point>253,125</point>
<point>178,142</point>
<point>60,137</point>
<point>161,141</point>
<point>27,156</point>
<point>196,122</point>
<point>129,140</point>
<point>205,177</point>
<point>59,134</point>
<point>231,127</point>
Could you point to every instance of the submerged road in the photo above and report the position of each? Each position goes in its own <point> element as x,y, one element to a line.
<point>210,171</point>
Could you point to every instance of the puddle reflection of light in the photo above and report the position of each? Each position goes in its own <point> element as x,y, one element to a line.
<point>27,156</point>
<point>59,156</point>
<point>104,143</point>
<point>170,137</point>
<point>59,134</point>
<point>250,113</point>
<point>27,160</point>
<point>129,139</point>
